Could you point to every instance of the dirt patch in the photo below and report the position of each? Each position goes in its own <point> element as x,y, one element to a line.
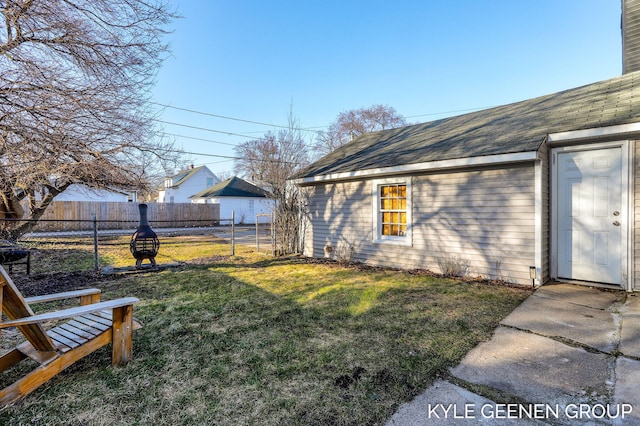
<point>34,285</point>
<point>362,267</point>
<point>347,380</point>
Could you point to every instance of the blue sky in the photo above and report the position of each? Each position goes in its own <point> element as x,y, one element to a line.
<point>252,60</point>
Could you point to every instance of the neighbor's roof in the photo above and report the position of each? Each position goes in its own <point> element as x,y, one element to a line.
<point>233,187</point>
<point>513,128</point>
<point>182,176</point>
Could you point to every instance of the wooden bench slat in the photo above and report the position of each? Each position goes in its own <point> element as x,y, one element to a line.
<point>98,320</point>
<point>71,328</point>
<point>71,335</point>
<point>91,322</point>
<point>69,313</point>
<point>62,339</point>
<point>62,296</point>
<point>107,315</point>
<point>85,329</point>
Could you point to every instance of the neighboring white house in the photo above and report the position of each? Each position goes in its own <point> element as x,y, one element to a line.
<point>78,192</point>
<point>181,186</point>
<point>239,196</point>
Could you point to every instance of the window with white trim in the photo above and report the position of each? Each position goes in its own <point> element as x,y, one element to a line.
<point>392,211</point>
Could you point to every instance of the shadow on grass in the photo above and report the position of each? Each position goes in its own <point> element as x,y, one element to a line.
<point>276,341</point>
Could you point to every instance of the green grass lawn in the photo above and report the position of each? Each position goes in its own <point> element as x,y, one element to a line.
<point>254,340</point>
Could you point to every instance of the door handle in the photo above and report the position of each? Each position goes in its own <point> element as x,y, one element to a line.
<point>616,213</point>
<point>616,223</point>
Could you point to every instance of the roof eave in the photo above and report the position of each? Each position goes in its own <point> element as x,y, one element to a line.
<point>420,167</point>
<point>618,131</point>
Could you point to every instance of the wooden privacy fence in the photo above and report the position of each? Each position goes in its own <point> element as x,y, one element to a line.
<point>79,215</point>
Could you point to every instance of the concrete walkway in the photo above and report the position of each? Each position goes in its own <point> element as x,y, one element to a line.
<point>567,355</point>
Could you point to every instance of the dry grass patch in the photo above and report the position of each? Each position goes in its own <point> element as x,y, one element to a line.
<point>253,340</point>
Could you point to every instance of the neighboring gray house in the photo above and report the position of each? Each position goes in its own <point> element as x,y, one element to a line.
<point>239,196</point>
<point>551,183</point>
<point>179,187</point>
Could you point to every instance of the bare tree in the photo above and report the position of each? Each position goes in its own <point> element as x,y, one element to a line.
<point>75,80</point>
<point>269,162</point>
<point>351,124</point>
<point>154,169</point>
<point>224,175</point>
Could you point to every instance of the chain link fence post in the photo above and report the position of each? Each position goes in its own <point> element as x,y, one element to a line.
<point>96,265</point>
<point>233,233</point>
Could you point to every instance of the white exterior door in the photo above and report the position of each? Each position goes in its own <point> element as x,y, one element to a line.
<point>591,215</point>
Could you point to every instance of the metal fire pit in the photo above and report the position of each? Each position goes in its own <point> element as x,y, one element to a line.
<point>144,242</point>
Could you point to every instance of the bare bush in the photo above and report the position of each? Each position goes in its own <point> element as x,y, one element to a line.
<point>453,266</point>
<point>269,162</point>
<point>343,251</point>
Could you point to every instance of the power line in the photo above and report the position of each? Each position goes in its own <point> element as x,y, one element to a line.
<point>242,120</point>
<point>200,139</point>
<point>229,157</point>
<point>202,154</point>
<point>309,129</point>
<point>205,129</point>
<point>218,162</point>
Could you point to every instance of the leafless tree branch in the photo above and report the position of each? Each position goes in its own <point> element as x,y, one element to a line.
<point>269,162</point>
<point>75,80</point>
<point>351,124</point>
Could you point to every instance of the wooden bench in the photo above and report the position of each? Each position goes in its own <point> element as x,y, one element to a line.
<point>91,326</point>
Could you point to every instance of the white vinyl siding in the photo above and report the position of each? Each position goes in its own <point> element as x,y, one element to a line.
<point>484,216</point>
<point>245,210</point>
<point>635,203</point>
<point>199,181</point>
<point>340,219</point>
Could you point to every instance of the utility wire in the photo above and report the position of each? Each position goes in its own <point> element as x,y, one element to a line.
<point>240,158</point>
<point>200,139</point>
<point>205,129</point>
<point>202,154</point>
<point>277,125</point>
<point>242,120</point>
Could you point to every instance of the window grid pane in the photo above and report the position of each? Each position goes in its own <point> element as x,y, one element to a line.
<point>393,209</point>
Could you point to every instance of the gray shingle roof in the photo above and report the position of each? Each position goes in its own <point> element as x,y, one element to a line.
<point>183,175</point>
<point>513,128</point>
<point>232,187</point>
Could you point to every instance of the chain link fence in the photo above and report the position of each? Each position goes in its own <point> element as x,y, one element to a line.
<point>99,233</point>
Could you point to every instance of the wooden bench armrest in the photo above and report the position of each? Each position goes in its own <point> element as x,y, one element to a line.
<point>71,312</point>
<point>62,296</point>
